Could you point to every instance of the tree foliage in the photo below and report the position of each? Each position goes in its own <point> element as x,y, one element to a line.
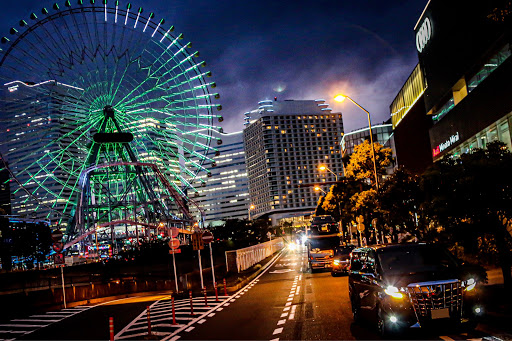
<point>361,167</point>
<point>399,199</point>
<point>471,198</point>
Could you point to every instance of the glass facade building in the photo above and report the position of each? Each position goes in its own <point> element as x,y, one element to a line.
<point>382,134</point>
<point>285,142</point>
<point>467,97</point>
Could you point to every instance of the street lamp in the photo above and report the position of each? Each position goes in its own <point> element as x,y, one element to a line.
<point>319,189</point>
<point>324,167</point>
<point>341,98</point>
<point>252,207</point>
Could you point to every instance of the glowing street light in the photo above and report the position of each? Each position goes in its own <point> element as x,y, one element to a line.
<point>319,189</point>
<point>252,207</point>
<point>324,167</point>
<point>341,98</point>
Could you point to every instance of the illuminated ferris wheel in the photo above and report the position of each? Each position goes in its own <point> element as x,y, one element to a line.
<point>107,115</point>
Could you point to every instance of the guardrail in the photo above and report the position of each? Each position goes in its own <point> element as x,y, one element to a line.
<point>242,259</point>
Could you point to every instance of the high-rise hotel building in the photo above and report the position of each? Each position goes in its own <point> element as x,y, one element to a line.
<point>285,142</point>
<point>225,194</point>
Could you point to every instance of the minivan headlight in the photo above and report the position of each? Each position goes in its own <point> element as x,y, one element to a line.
<point>393,292</point>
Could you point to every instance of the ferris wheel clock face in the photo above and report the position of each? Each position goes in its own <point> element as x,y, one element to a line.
<point>89,83</point>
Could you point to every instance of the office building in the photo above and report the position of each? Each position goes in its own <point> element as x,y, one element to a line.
<point>382,134</point>
<point>225,194</point>
<point>285,142</point>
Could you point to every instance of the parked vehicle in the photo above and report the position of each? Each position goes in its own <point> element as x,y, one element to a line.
<point>399,286</point>
<point>341,260</point>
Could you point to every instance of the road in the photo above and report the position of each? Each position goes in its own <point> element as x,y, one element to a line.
<point>284,302</point>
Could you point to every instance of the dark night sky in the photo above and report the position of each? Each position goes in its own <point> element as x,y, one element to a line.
<point>290,49</point>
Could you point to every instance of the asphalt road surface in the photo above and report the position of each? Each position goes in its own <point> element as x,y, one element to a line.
<point>285,302</point>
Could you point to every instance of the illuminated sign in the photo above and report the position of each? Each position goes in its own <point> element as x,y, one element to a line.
<point>445,145</point>
<point>423,35</point>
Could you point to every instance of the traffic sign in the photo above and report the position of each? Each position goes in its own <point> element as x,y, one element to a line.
<point>174,232</point>
<point>58,258</point>
<point>207,237</point>
<point>174,243</point>
<point>57,235</point>
<point>360,227</point>
<point>174,251</point>
<point>58,247</point>
<point>197,241</point>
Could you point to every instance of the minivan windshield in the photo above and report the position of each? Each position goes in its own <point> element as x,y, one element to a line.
<point>415,258</point>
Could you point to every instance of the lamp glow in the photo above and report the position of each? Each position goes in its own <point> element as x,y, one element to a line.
<point>340,98</point>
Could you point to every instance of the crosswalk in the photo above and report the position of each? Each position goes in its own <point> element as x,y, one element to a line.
<point>161,322</point>
<point>18,327</point>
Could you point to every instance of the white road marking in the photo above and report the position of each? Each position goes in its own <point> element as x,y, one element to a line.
<point>33,320</point>
<point>175,338</point>
<point>275,339</point>
<point>277,331</point>
<point>21,325</point>
<point>219,309</point>
<point>280,322</point>
<point>288,304</point>
<point>298,289</point>
<point>284,314</point>
<point>189,329</point>
<point>211,315</point>
<point>300,277</point>
<point>286,308</point>
<point>291,317</point>
<point>201,321</point>
<point>290,299</point>
<point>227,304</point>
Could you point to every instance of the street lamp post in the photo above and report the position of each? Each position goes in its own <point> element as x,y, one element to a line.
<point>252,207</point>
<point>319,189</point>
<point>324,167</point>
<point>341,98</point>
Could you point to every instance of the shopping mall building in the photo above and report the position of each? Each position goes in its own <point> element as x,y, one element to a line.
<point>462,83</point>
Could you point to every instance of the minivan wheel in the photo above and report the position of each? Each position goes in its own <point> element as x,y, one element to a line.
<point>356,313</point>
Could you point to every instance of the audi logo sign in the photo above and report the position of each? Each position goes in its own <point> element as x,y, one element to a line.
<point>423,34</point>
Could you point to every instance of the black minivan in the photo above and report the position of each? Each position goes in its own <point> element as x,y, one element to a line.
<point>399,286</point>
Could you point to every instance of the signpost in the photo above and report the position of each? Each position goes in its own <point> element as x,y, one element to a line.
<point>198,244</point>
<point>174,244</point>
<point>58,247</point>
<point>57,235</point>
<point>208,238</point>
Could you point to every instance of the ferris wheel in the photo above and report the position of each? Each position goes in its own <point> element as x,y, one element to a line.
<point>106,111</point>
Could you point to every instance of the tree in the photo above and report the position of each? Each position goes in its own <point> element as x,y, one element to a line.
<point>471,198</point>
<point>399,200</point>
<point>360,166</point>
<point>319,206</point>
<point>337,201</point>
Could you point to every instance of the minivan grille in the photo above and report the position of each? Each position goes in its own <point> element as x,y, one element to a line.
<point>428,296</point>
